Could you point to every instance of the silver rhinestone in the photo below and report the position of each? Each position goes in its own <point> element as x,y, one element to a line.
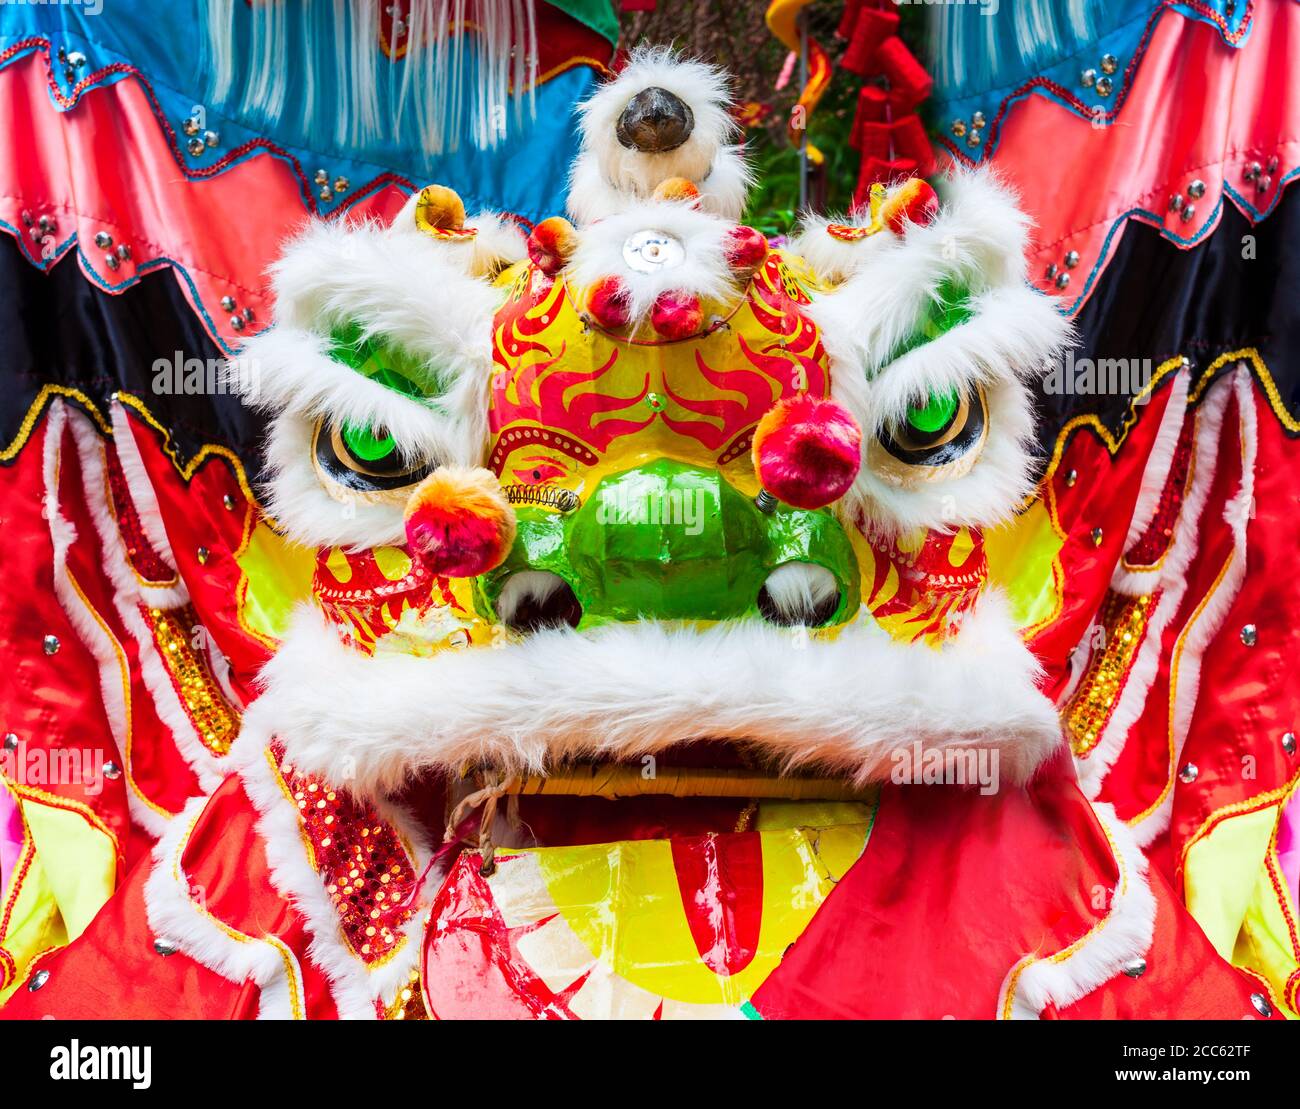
<point>112,771</point>
<point>196,147</point>
<point>1104,86</point>
<point>1196,189</point>
<point>326,193</point>
<point>1272,164</point>
<point>1071,478</point>
<point>77,58</point>
<point>1088,78</point>
<point>27,218</point>
<point>1096,535</point>
<point>62,54</point>
<point>1253,171</point>
<point>342,184</point>
<point>237,322</point>
<point>103,240</point>
<point>190,126</point>
<point>1265,183</point>
<point>248,314</point>
<point>973,139</point>
<point>42,976</point>
<point>959,127</point>
<point>165,947</point>
<point>1189,773</point>
<point>1072,259</point>
<point>211,138</point>
<point>202,554</point>
<point>229,502</point>
<point>321,177</point>
<point>111,261</point>
<point>977,119</point>
<point>45,223</point>
<point>1051,270</point>
<point>1288,742</point>
<point>1062,280</point>
<point>50,644</point>
<point>1230,8</point>
<point>1135,968</point>
<point>227,303</point>
<point>1109,63</point>
<point>11,741</point>
<point>1262,1007</point>
<point>1189,212</point>
<point>1176,202</point>
<point>70,75</point>
<point>124,251</point>
<point>1250,635</point>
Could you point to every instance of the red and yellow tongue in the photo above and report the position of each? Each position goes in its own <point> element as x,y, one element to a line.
<point>720,880</point>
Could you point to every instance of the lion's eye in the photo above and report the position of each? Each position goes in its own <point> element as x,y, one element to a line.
<point>940,438</point>
<point>363,459</point>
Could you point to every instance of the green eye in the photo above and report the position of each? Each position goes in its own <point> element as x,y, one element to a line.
<point>363,459</point>
<point>368,444</point>
<point>936,414</point>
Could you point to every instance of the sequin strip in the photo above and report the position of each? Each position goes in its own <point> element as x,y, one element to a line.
<point>1151,546</point>
<point>408,1004</point>
<point>175,630</point>
<point>360,858</point>
<point>1124,622</point>
<point>147,562</point>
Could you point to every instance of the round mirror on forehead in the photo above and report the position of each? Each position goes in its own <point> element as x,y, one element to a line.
<point>648,251</point>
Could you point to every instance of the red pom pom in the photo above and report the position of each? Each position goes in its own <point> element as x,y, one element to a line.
<point>551,243</point>
<point>608,303</point>
<point>913,202</point>
<point>677,315</point>
<point>459,523</point>
<point>746,247</point>
<point>807,451</point>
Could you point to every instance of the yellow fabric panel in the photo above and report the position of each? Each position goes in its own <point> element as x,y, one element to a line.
<point>1022,558</point>
<point>72,874</point>
<point>1232,898</point>
<point>277,575</point>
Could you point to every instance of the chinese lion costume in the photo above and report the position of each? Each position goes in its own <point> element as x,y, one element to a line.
<point>657,661</point>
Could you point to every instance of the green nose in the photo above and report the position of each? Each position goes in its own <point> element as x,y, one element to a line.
<point>669,541</point>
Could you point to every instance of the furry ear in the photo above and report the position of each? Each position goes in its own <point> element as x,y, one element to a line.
<point>936,323</point>
<point>609,174</point>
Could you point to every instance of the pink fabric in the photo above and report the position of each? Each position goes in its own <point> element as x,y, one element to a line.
<point>1288,847</point>
<point>1198,109</point>
<point>11,838</point>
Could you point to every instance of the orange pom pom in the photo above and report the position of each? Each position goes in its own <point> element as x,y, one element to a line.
<point>914,201</point>
<point>678,188</point>
<point>807,451</point>
<point>551,244</point>
<point>459,523</point>
<point>440,212</point>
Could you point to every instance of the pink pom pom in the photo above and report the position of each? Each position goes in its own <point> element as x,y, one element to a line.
<point>459,523</point>
<point>677,315</point>
<point>807,451</point>
<point>746,247</point>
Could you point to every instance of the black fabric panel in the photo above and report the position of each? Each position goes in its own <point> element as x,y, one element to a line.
<point>1157,301</point>
<point>58,327</point>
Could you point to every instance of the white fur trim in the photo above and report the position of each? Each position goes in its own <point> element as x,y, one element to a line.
<point>139,485</point>
<point>703,271</point>
<point>606,176</point>
<point>174,915</point>
<point>1124,935</point>
<point>848,705</point>
<point>800,588</point>
<point>1133,583</point>
<point>1093,767</point>
<point>128,595</point>
<point>1206,622</point>
<point>356,988</point>
<point>114,677</point>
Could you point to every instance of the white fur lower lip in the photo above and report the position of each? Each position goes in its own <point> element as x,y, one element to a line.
<point>842,707</point>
